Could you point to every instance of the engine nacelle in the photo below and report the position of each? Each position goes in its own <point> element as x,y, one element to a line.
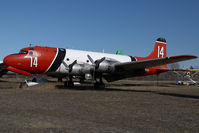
<point>81,69</point>
<point>107,66</point>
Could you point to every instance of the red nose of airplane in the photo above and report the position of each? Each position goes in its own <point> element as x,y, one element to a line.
<point>8,60</point>
<point>15,64</point>
<point>14,60</point>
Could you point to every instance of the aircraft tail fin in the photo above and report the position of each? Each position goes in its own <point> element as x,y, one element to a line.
<point>159,51</point>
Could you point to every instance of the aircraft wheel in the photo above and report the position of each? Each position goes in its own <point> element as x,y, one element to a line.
<point>60,79</point>
<point>68,84</point>
<point>98,85</point>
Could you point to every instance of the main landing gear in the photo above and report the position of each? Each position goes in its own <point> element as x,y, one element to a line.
<point>69,83</point>
<point>99,84</point>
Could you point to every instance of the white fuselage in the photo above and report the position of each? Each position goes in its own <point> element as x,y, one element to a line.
<point>82,57</point>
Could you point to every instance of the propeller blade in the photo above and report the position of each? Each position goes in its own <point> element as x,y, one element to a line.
<point>71,66</point>
<point>97,62</point>
<point>91,60</point>
<point>64,63</point>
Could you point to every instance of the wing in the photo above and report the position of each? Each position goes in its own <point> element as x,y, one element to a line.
<point>137,68</point>
<point>153,62</point>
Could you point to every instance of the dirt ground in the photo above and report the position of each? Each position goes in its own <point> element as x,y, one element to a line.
<point>123,107</point>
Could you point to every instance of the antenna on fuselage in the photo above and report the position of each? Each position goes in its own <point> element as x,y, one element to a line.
<point>30,45</point>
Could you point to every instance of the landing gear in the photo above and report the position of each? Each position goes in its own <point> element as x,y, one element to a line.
<point>69,83</point>
<point>59,79</point>
<point>99,85</point>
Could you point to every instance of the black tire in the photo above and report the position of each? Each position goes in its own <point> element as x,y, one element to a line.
<point>68,84</point>
<point>98,85</point>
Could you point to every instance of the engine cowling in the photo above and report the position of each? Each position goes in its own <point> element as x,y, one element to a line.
<point>81,69</point>
<point>107,66</point>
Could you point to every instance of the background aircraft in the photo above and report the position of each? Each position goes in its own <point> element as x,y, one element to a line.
<point>89,65</point>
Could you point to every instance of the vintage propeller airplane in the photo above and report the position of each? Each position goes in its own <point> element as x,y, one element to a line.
<point>89,65</point>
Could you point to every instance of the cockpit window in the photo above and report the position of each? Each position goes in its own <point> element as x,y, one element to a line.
<point>23,52</point>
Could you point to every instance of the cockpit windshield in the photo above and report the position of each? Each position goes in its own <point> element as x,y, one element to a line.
<point>23,52</point>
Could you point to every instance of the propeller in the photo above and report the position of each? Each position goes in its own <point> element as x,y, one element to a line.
<point>95,63</point>
<point>69,67</point>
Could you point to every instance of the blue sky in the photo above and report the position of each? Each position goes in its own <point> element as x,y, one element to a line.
<point>130,25</point>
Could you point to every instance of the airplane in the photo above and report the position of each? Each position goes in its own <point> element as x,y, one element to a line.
<point>87,65</point>
<point>187,80</point>
<point>188,75</point>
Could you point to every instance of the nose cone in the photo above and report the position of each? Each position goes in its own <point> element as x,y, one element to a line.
<point>8,60</point>
<point>13,60</point>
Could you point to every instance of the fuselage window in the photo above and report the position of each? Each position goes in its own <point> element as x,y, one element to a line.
<point>30,53</point>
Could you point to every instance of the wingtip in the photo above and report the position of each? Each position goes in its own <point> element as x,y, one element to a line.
<point>195,56</point>
<point>191,56</point>
<point>185,56</point>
